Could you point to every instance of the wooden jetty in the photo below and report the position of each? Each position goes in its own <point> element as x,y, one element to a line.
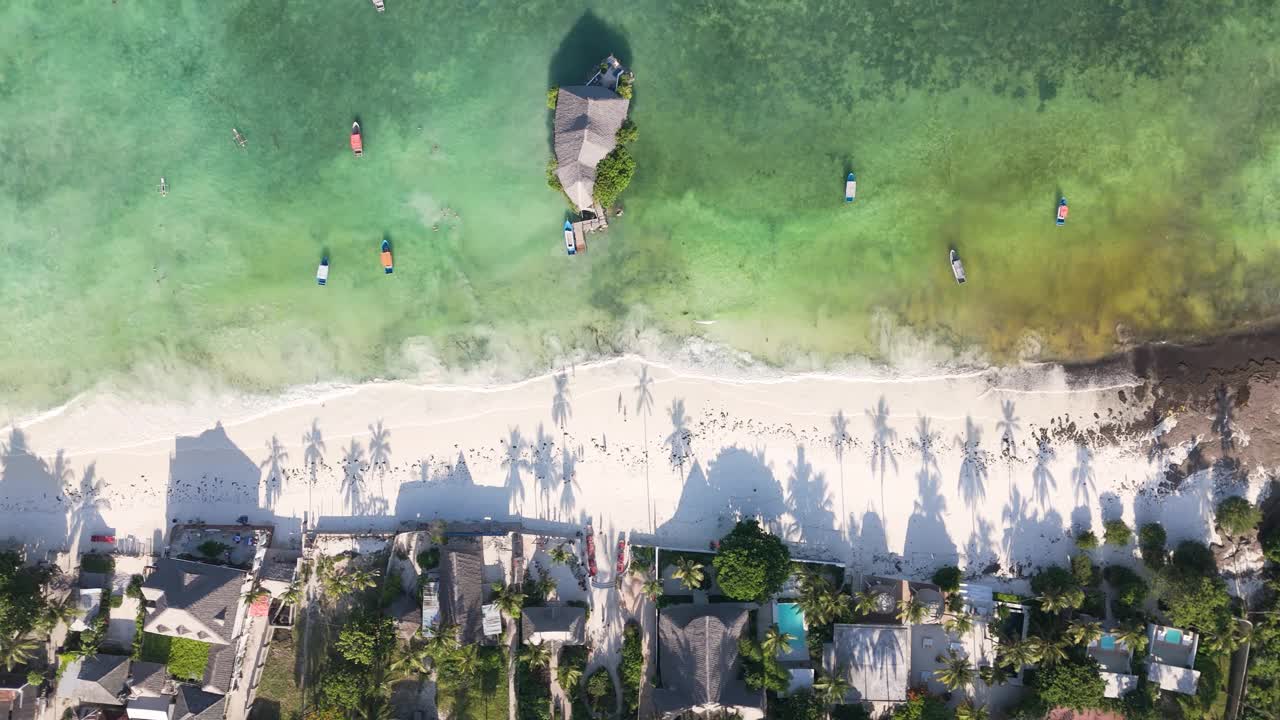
<point>239,138</point>
<point>594,219</point>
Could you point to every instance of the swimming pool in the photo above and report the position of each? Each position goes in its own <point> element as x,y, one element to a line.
<point>790,619</point>
<point>1107,642</point>
<point>1173,636</point>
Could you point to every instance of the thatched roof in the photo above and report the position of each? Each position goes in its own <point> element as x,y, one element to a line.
<point>698,646</point>
<point>587,120</point>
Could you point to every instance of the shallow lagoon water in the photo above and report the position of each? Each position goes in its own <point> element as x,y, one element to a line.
<point>964,121</point>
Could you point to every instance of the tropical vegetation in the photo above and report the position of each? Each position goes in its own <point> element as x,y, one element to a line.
<point>752,564</point>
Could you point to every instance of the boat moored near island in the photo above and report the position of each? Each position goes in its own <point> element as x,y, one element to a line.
<point>1062,212</point>
<point>850,188</point>
<point>957,267</point>
<point>570,246</point>
<point>322,272</point>
<point>380,5</point>
<point>387,266</point>
<point>357,144</point>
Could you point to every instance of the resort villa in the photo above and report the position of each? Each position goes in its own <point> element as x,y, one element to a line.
<point>587,121</point>
<point>1114,662</point>
<point>1172,659</point>
<point>698,661</point>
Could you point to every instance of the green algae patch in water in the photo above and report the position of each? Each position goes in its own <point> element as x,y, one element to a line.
<point>964,123</point>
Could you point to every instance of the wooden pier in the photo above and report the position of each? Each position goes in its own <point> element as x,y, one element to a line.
<point>600,221</point>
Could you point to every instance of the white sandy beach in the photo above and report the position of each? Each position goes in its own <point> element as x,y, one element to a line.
<point>907,474</point>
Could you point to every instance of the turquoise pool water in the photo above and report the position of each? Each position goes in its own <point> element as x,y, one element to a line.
<point>1107,642</point>
<point>1173,636</point>
<point>790,620</point>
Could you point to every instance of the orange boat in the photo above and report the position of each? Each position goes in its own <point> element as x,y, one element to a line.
<point>357,146</point>
<point>386,257</point>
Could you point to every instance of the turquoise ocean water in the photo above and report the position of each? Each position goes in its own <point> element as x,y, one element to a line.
<point>963,120</point>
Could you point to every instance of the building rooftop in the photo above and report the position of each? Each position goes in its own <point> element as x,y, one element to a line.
<point>148,679</point>
<point>1118,684</point>
<point>554,623</point>
<point>876,660</point>
<point>1175,679</point>
<point>462,588</point>
<point>99,679</point>
<point>587,121</point>
<point>194,600</point>
<point>192,703</point>
<point>698,657</point>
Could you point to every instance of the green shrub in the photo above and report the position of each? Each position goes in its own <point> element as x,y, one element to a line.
<point>553,94</point>
<point>1237,516</point>
<point>35,677</point>
<point>1194,558</point>
<point>115,601</point>
<point>1129,589</point>
<point>134,590</point>
<point>613,175</point>
<point>631,670</point>
<point>625,88</point>
<point>1151,543</point>
<point>947,578</point>
<point>553,180</point>
<point>429,559</point>
<point>187,658</point>
<point>751,564</point>
<point>97,563</point>
<point>1071,684</point>
<point>1271,545</point>
<point>1086,540</point>
<point>1116,532</point>
<point>600,693</point>
<point>628,133</point>
<point>1200,602</point>
<point>533,692</point>
<point>802,705</point>
<point>1082,569</point>
<point>212,549</point>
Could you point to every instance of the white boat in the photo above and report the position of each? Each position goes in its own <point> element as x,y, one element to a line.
<point>569,245</point>
<point>322,272</point>
<point>957,268</point>
<point>850,188</point>
<point>379,5</point>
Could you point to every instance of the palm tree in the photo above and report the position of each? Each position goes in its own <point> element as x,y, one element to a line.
<point>464,660</point>
<point>58,612</point>
<point>968,711</point>
<point>958,624</point>
<point>775,641</point>
<point>508,600</point>
<point>1019,653</point>
<point>443,643</point>
<point>412,661</point>
<point>293,594</point>
<point>652,588</point>
<point>1083,632</point>
<point>1134,637</point>
<point>956,671</point>
<point>545,586</point>
<point>832,688</point>
<point>993,675</point>
<point>1053,601</point>
<point>1053,651</point>
<point>911,611</point>
<point>15,649</point>
<point>559,554</point>
<point>357,580</point>
<point>688,572</point>
<point>568,676</point>
<point>537,656</point>
<point>864,602</point>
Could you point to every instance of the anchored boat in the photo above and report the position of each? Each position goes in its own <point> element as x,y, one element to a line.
<point>380,5</point>
<point>322,272</point>
<point>1062,212</point>
<point>569,245</point>
<point>850,188</point>
<point>357,145</point>
<point>164,186</point>
<point>386,256</point>
<point>957,268</point>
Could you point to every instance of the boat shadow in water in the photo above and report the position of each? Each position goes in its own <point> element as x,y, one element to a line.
<point>588,42</point>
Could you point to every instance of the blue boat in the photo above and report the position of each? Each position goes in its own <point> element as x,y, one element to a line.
<point>850,188</point>
<point>386,256</point>
<point>569,245</point>
<point>322,272</point>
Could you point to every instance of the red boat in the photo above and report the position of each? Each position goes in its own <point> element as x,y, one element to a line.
<point>357,146</point>
<point>622,556</point>
<point>591,552</point>
<point>104,539</point>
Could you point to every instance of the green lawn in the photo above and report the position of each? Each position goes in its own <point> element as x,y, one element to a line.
<point>483,697</point>
<point>186,659</point>
<point>279,697</point>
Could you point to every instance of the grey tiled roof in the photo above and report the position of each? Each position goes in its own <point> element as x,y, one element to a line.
<point>200,601</point>
<point>698,655</point>
<point>462,588</point>
<point>876,660</point>
<point>217,673</point>
<point>196,704</point>
<point>99,679</point>
<point>147,678</point>
<point>587,121</point>
<point>556,619</point>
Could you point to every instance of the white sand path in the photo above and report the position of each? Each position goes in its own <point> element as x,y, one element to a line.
<point>883,473</point>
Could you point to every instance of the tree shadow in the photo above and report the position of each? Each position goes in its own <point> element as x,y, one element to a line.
<point>1008,427</point>
<point>273,468</point>
<point>209,470</point>
<point>513,462</point>
<point>1042,479</point>
<point>928,543</point>
<point>871,543</point>
<point>644,393</point>
<point>561,410</point>
<point>379,449</point>
<point>87,502</point>
<point>883,438</point>
<point>738,483</point>
<point>569,474</point>
<point>972,482</point>
<point>1030,539</point>
<point>809,503</point>
<point>1082,476</point>
<point>353,469</point>
<point>542,463</point>
<point>589,41</point>
<point>450,486</point>
<point>980,554</point>
<point>313,450</point>
<point>680,440</point>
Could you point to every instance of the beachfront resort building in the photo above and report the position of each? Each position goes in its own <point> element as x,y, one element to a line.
<point>587,121</point>
<point>698,661</point>
<point>1172,659</point>
<point>1114,665</point>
